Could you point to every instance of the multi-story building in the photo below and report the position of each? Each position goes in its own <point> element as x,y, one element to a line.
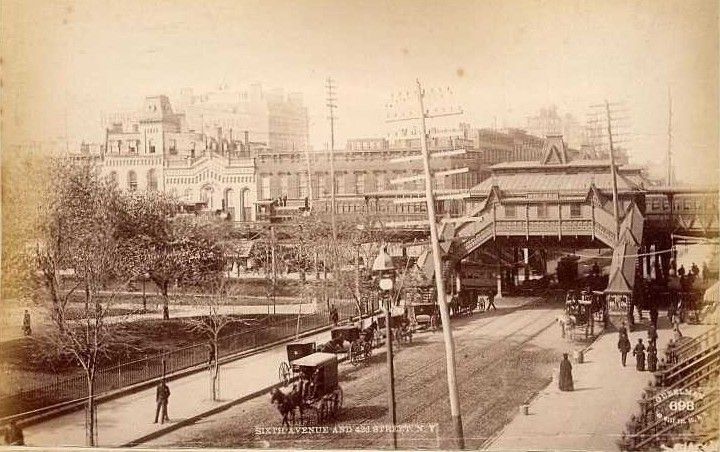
<point>152,150</point>
<point>271,117</point>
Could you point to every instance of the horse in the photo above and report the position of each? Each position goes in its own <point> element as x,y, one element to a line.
<point>286,405</point>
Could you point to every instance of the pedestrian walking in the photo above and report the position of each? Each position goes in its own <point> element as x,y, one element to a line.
<point>334,316</point>
<point>624,347</point>
<point>27,331</point>
<point>681,271</point>
<point>694,270</point>
<point>14,435</point>
<point>639,354</point>
<point>705,271</point>
<point>566,381</point>
<point>162,396</point>
<point>653,315</point>
<point>652,335</point>
<point>676,333</point>
<point>491,302</point>
<point>652,357</point>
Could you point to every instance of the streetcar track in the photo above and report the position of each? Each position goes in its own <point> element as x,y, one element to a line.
<point>415,378</point>
<point>473,371</point>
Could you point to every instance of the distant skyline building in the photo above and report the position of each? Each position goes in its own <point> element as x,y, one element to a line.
<point>549,122</point>
<point>269,116</point>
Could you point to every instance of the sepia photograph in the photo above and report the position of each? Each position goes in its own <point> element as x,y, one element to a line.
<point>345,225</point>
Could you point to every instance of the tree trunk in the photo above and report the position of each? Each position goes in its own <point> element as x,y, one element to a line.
<point>215,372</point>
<point>90,413</point>
<point>166,299</point>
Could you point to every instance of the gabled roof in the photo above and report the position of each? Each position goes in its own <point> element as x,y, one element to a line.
<point>622,270</point>
<point>554,151</point>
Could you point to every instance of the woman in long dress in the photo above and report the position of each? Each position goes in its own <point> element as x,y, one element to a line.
<point>652,357</point>
<point>639,353</point>
<point>566,380</point>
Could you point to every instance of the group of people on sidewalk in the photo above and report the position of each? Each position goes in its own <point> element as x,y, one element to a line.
<point>640,350</point>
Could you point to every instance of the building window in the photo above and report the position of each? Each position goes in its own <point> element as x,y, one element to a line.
<point>360,183</point>
<point>284,184</point>
<point>303,185</point>
<point>152,182</point>
<point>265,187</point>
<point>380,182</point>
<point>575,210</point>
<point>132,180</point>
<point>173,147</point>
<point>151,147</point>
<point>510,211</point>
<point>542,210</point>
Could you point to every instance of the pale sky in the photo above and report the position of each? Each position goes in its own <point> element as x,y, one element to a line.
<point>503,59</point>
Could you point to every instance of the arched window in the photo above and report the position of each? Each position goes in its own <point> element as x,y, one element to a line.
<point>132,180</point>
<point>152,182</point>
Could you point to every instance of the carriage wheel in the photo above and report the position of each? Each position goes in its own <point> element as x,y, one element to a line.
<point>355,354</point>
<point>433,323</point>
<point>284,373</point>
<point>312,415</point>
<point>338,392</point>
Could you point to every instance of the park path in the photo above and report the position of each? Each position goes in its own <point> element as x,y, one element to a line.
<point>593,416</point>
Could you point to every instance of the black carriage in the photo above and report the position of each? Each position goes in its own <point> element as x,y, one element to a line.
<point>296,350</point>
<point>426,315</point>
<point>318,385</point>
<point>359,350</point>
<point>463,303</point>
<point>400,327</point>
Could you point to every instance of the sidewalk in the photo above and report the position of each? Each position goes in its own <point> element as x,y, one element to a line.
<point>127,418</point>
<point>594,415</point>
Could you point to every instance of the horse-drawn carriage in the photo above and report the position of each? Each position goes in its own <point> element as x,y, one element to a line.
<point>400,328</point>
<point>360,343</point>
<point>425,315</point>
<point>295,351</point>
<point>317,391</point>
<point>580,311</point>
<point>463,304</point>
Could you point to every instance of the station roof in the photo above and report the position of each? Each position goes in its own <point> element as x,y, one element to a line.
<point>316,360</point>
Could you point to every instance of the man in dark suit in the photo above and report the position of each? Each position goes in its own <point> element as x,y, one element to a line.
<point>162,395</point>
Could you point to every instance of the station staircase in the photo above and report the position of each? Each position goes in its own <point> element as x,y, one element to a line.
<point>665,417</point>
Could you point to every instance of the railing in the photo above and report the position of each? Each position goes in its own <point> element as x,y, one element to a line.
<point>664,416</point>
<point>148,368</point>
<point>707,339</point>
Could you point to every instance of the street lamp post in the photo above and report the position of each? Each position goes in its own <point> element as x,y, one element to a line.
<point>384,268</point>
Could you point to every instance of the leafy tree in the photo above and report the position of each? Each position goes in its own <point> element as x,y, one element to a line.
<point>80,232</point>
<point>171,247</point>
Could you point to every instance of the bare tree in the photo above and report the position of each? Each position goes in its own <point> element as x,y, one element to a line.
<point>80,233</point>
<point>212,325</point>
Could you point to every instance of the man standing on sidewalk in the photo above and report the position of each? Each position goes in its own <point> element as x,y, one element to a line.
<point>162,396</point>
<point>623,346</point>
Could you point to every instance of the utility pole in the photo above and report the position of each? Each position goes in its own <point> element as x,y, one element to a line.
<point>669,148</point>
<point>613,172</point>
<point>439,282</point>
<point>274,265</point>
<point>331,99</point>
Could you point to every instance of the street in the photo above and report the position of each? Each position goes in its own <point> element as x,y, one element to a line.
<point>504,357</point>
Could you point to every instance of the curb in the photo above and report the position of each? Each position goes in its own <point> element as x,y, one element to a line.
<point>218,409</point>
<point>70,406</point>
